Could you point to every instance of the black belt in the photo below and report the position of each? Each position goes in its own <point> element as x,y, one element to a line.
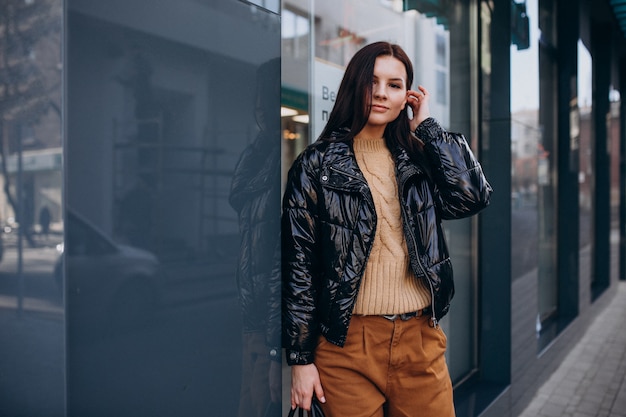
<point>407,316</point>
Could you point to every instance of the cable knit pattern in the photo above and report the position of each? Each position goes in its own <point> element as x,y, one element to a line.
<point>388,285</point>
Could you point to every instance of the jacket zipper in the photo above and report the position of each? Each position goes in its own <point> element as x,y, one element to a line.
<point>361,180</point>
<point>433,318</point>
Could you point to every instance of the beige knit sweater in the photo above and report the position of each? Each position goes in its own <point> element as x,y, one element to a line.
<point>388,285</point>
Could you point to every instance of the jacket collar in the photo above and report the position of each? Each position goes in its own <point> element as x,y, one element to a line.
<point>341,153</point>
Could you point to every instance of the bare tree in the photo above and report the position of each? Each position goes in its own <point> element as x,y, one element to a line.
<point>30,45</point>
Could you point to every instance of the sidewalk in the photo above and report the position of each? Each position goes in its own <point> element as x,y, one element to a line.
<point>591,381</point>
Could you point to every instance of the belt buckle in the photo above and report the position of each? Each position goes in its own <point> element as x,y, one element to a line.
<point>411,315</point>
<point>407,316</point>
<point>401,316</point>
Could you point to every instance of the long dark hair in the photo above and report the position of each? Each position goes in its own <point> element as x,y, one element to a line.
<point>354,98</point>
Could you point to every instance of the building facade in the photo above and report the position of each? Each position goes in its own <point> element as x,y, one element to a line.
<point>144,146</point>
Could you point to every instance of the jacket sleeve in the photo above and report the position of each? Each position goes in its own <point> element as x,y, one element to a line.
<point>461,189</point>
<point>299,260</point>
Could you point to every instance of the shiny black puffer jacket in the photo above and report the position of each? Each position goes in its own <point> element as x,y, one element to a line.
<point>329,221</point>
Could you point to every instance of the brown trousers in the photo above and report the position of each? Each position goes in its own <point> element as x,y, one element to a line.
<point>386,368</point>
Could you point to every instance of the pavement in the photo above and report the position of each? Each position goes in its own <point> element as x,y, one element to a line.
<point>591,381</point>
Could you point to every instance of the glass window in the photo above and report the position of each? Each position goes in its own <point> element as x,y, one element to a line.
<point>442,49</point>
<point>295,55</point>
<point>586,175</point>
<point>614,152</point>
<point>173,205</point>
<point>527,157</point>
<point>32,312</point>
<point>533,165</point>
<point>547,287</point>
<point>441,87</point>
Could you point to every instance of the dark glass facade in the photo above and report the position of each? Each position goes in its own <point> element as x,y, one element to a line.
<point>139,257</point>
<point>143,146</point>
<point>172,201</point>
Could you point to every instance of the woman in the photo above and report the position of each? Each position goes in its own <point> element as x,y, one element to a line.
<point>366,270</point>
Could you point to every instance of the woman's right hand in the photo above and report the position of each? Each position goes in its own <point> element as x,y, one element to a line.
<point>418,100</point>
<point>305,381</point>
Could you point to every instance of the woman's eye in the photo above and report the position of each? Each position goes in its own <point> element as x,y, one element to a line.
<point>395,85</point>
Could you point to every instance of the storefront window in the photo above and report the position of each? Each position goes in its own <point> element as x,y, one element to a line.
<point>613,129</point>
<point>173,204</point>
<point>439,51</point>
<point>532,188</point>
<point>547,283</point>
<point>586,176</point>
<point>533,163</point>
<point>527,158</point>
<point>295,53</point>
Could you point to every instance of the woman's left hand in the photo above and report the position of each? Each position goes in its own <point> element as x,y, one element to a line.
<point>418,100</point>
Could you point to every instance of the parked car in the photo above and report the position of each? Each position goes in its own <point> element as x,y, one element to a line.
<point>105,282</point>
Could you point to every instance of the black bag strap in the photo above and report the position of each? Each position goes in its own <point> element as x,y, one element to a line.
<point>292,412</point>
<point>316,411</point>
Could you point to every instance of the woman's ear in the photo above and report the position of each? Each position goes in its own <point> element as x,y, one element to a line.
<point>406,100</point>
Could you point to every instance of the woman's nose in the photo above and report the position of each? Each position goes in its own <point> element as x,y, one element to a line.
<point>379,91</point>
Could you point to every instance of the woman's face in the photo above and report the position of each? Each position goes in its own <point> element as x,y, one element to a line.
<point>389,91</point>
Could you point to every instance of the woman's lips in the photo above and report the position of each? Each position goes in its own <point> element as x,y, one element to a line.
<point>379,107</point>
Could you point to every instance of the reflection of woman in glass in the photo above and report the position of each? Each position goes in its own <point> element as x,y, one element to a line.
<point>366,270</point>
<point>255,195</point>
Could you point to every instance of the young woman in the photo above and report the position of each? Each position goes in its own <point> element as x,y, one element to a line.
<point>366,270</point>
